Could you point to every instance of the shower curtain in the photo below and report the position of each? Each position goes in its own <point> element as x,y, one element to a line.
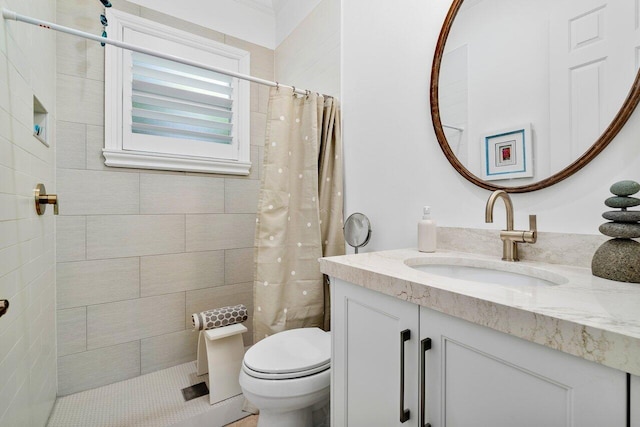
<point>299,212</point>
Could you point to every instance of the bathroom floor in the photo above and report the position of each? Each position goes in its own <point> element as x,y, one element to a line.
<point>151,400</point>
<point>250,421</point>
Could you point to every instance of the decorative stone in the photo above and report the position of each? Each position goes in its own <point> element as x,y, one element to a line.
<point>625,188</point>
<point>617,259</point>
<point>620,230</point>
<point>622,202</point>
<point>622,216</point>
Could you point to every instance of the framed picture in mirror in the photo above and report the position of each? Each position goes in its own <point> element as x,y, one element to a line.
<point>507,154</point>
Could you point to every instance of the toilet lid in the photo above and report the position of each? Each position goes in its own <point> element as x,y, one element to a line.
<point>296,351</point>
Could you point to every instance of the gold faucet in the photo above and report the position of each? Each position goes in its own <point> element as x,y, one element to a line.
<point>510,237</point>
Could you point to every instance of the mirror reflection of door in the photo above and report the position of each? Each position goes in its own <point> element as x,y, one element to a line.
<point>593,58</point>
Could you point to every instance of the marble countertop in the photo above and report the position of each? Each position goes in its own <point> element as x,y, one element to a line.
<point>583,315</point>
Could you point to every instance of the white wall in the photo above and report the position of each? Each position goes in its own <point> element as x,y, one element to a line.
<point>393,162</point>
<point>235,18</point>
<point>249,20</point>
<point>27,253</point>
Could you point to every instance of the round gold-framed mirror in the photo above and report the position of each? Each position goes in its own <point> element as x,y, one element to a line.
<point>495,153</point>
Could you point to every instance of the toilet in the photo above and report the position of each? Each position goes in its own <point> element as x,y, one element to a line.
<point>287,377</point>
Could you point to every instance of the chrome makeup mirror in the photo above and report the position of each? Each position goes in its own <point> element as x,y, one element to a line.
<point>357,230</point>
<point>524,93</point>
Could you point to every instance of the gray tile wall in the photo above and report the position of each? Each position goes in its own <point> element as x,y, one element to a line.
<point>138,251</point>
<point>27,249</point>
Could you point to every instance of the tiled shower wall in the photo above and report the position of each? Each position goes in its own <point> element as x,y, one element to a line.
<point>138,251</point>
<point>310,56</point>
<point>27,250</point>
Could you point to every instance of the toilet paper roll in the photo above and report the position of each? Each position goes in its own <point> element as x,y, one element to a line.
<point>219,317</point>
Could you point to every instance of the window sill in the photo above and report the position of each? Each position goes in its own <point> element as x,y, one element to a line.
<point>144,160</point>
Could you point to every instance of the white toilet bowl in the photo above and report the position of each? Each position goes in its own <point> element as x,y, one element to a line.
<point>287,377</point>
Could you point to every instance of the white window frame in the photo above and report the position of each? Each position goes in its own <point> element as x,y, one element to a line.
<point>118,115</point>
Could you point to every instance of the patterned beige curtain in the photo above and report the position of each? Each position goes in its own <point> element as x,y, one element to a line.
<point>299,212</point>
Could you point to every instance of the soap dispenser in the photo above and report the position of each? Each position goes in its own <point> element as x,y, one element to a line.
<point>426,232</point>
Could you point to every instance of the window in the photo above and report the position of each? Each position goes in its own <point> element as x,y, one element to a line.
<point>161,114</point>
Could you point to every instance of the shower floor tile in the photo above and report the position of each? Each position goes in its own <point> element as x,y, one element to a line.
<point>151,400</point>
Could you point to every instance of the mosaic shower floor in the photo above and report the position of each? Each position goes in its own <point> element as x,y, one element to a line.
<point>151,400</point>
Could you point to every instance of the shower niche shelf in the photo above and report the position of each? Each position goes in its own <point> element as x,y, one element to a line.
<point>40,121</point>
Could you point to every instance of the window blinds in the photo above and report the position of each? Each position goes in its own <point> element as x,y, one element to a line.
<point>177,100</point>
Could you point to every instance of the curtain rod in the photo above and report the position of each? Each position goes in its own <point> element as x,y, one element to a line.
<point>8,14</point>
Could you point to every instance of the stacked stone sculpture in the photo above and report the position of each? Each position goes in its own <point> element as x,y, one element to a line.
<point>619,258</point>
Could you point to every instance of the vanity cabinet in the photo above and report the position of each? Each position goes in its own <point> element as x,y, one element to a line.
<point>479,376</point>
<point>367,341</point>
<point>473,375</point>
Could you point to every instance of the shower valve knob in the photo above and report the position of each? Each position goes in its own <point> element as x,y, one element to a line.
<point>43,199</point>
<point>4,306</point>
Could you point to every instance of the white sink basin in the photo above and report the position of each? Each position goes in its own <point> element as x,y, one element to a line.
<point>489,273</point>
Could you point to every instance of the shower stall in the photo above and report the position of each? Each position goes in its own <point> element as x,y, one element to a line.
<point>103,292</point>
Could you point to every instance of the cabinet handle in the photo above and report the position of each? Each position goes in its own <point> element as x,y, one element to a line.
<point>404,337</point>
<point>425,345</point>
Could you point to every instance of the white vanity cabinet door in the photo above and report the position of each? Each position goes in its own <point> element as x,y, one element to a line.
<point>477,376</point>
<point>635,401</point>
<point>366,336</point>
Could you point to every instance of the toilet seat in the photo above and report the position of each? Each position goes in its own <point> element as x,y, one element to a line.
<point>295,353</point>
<point>284,376</point>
